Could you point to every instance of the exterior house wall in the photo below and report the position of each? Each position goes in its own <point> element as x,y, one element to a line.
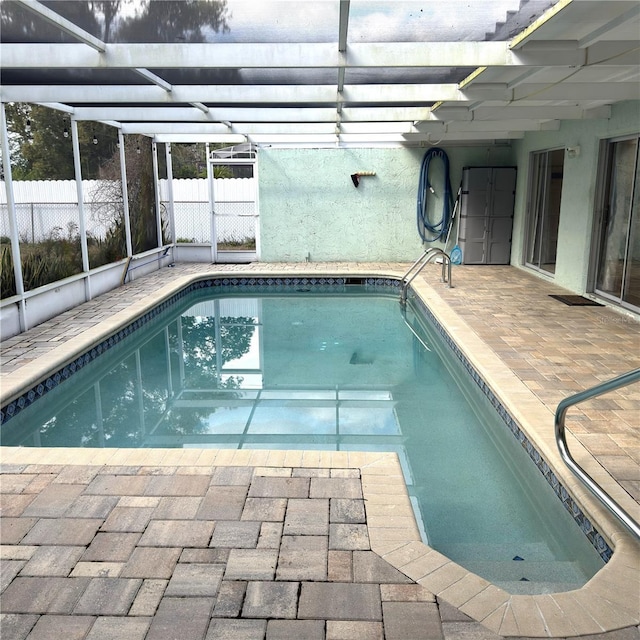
<point>579,186</point>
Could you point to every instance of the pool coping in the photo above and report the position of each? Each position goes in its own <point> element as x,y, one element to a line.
<point>607,602</point>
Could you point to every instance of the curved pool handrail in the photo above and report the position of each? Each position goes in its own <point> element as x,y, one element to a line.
<point>610,385</point>
<point>421,262</point>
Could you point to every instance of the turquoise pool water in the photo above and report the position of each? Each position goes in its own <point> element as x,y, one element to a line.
<point>345,371</point>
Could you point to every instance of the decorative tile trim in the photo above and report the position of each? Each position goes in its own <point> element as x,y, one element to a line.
<point>319,284</point>
<point>593,535</point>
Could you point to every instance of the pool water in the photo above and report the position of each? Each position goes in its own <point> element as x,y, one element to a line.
<point>333,371</point>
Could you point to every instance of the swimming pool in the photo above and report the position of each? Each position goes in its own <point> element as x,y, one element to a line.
<point>393,390</point>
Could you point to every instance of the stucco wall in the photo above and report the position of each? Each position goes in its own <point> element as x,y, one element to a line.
<point>309,206</point>
<point>579,187</point>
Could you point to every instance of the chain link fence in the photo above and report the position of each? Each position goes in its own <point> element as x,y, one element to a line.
<point>192,221</point>
<point>40,221</point>
<point>236,224</point>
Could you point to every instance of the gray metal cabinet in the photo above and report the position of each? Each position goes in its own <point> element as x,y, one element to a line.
<point>486,214</point>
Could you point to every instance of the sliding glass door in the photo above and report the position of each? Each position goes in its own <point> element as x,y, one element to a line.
<point>543,216</point>
<point>618,234</point>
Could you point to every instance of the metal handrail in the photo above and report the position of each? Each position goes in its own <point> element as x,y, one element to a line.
<point>421,262</point>
<point>413,331</point>
<point>587,480</point>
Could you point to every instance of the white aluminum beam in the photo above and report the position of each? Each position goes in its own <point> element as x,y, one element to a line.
<point>378,114</point>
<point>153,78</point>
<point>462,136</point>
<point>231,94</point>
<point>157,128</point>
<point>57,106</point>
<point>13,226</point>
<point>390,93</point>
<point>628,16</point>
<point>257,56</point>
<point>514,111</point>
<point>187,114</point>
<point>495,126</point>
<point>293,55</point>
<point>230,138</point>
<point>344,25</point>
<point>486,91</point>
<point>294,139</point>
<point>253,114</point>
<point>577,91</point>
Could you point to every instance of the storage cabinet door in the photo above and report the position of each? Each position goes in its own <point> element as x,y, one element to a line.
<point>486,214</point>
<point>499,240</point>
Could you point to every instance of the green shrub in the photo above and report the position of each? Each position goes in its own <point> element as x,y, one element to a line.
<point>7,277</point>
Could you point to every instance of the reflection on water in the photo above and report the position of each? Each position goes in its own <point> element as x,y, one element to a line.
<point>247,367</point>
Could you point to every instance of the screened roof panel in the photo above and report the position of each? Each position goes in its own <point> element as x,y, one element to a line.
<point>451,70</point>
<point>401,75</point>
<point>19,25</point>
<point>147,21</point>
<point>70,76</point>
<point>427,21</point>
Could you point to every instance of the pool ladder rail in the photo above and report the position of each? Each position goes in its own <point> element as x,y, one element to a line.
<point>611,505</point>
<point>419,264</point>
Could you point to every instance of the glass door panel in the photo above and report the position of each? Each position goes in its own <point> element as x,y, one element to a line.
<point>544,214</point>
<point>618,273</point>
<point>631,289</point>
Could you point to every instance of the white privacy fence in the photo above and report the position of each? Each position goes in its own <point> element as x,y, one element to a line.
<point>48,209</point>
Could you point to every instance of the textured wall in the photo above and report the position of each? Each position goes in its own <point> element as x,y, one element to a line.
<point>309,206</point>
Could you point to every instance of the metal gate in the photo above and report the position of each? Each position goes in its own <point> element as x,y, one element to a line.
<point>234,210</point>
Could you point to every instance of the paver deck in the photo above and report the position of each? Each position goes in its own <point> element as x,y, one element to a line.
<point>161,544</point>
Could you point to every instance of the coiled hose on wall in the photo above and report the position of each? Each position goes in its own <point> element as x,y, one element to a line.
<point>432,231</point>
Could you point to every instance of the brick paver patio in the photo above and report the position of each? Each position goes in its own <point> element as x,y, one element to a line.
<point>275,556</point>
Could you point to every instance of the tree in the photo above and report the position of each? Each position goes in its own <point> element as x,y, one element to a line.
<point>41,151</point>
<point>107,203</point>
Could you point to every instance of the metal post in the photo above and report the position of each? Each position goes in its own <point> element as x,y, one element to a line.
<point>172,219</point>
<point>256,213</point>
<point>212,206</point>
<point>156,186</point>
<point>13,224</point>
<point>82,227</point>
<point>125,195</point>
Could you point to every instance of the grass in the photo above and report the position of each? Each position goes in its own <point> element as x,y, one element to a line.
<point>246,244</point>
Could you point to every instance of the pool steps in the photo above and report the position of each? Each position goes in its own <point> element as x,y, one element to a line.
<point>538,566</point>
